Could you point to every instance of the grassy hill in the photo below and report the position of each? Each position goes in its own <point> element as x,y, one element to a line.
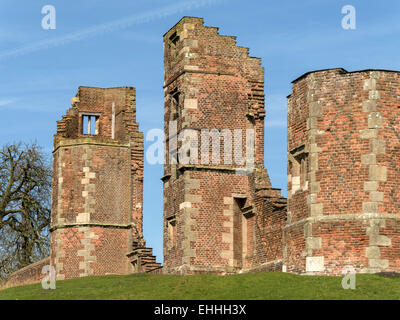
<point>197,287</point>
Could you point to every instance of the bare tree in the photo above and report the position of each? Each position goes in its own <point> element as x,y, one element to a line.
<point>25,201</point>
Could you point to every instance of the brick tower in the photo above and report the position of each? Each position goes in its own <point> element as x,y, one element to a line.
<point>343,172</point>
<point>216,209</point>
<point>96,223</point>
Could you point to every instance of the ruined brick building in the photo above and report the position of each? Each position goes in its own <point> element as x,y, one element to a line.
<point>97,200</point>
<point>343,205</point>
<point>217,217</point>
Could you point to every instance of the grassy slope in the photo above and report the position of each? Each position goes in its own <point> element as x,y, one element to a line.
<point>245,286</point>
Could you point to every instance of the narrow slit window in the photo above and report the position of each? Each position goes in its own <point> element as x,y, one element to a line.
<point>171,226</point>
<point>175,104</point>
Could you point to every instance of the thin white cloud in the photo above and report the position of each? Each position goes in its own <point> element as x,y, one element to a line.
<point>6,102</point>
<point>30,103</point>
<point>110,26</point>
<point>134,36</point>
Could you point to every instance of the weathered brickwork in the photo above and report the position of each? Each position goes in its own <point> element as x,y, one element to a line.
<point>343,172</point>
<point>216,215</point>
<point>97,185</point>
<point>220,212</point>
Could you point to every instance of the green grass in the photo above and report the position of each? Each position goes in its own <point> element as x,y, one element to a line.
<point>198,287</point>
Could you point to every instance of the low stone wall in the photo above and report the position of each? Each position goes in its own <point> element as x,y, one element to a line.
<point>273,266</point>
<point>27,275</point>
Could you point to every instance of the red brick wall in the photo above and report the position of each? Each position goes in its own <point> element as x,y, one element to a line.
<point>97,185</point>
<point>220,87</point>
<point>106,254</point>
<point>268,225</point>
<point>27,275</point>
<point>112,189</point>
<point>345,127</point>
<point>209,221</point>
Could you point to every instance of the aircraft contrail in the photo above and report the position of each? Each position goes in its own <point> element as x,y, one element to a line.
<point>109,27</point>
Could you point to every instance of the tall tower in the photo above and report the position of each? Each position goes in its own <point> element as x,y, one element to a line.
<point>97,184</point>
<point>344,172</point>
<point>214,93</point>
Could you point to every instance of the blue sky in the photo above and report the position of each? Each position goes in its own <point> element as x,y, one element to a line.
<point>105,43</point>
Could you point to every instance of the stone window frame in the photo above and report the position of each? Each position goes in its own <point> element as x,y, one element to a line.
<point>247,212</point>
<point>171,230</point>
<point>299,162</point>
<point>173,41</point>
<point>173,38</point>
<point>175,96</point>
<point>96,116</point>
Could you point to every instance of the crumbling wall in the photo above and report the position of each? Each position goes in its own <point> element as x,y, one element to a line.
<point>97,184</point>
<point>209,207</point>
